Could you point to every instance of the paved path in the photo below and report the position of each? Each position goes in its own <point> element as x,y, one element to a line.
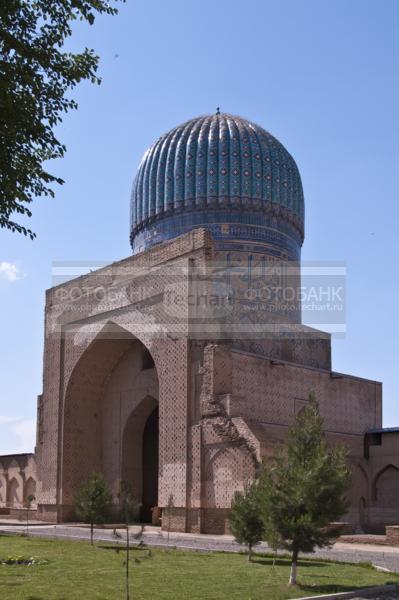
<point>382,597</point>
<point>379,597</point>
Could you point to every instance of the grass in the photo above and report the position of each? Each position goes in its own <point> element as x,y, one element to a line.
<point>76,570</point>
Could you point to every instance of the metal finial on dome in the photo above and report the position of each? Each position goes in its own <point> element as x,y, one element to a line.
<point>218,110</point>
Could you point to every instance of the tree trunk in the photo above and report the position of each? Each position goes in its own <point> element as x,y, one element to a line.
<point>168,526</point>
<point>249,552</point>
<point>294,564</point>
<point>91,532</point>
<point>127,562</point>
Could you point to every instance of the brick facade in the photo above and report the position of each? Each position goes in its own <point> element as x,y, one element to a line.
<point>116,348</point>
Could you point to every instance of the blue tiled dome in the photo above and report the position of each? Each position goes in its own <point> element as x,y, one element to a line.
<point>210,164</point>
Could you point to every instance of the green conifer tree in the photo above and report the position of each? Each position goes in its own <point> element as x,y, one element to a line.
<point>302,489</point>
<point>245,522</point>
<point>93,501</point>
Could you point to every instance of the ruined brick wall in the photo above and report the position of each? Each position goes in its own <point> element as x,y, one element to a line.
<point>222,459</point>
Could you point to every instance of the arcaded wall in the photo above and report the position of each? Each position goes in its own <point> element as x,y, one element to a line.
<point>18,480</point>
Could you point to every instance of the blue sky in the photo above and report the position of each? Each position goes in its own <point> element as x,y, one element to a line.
<point>321,75</point>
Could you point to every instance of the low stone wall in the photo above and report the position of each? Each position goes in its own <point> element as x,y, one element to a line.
<point>215,520</point>
<point>392,535</point>
<point>375,540</point>
<point>20,514</point>
<point>201,520</point>
<point>174,519</point>
<point>47,512</point>
<point>342,528</point>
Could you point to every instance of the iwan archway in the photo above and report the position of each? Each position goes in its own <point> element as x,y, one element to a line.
<point>111,422</point>
<point>140,456</point>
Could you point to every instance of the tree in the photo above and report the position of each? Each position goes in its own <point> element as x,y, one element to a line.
<point>302,488</point>
<point>35,75</point>
<point>93,502</point>
<point>28,504</point>
<point>131,509</point>
<point>245,522</point>
<point>169,509</point>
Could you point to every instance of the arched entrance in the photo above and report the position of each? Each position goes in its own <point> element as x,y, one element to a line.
<point>362,514</point>
<point>110,395</point>
<point>140,455</point>
<point>150,465</point>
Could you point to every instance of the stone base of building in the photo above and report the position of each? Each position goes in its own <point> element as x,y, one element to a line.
<point>48,513</point>
<point>392,535</point>
<point>196,520</point>
<point>178,519</point>
<point>20,514</point>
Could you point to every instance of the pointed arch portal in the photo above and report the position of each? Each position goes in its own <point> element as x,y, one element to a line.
<point>140,455</point>
<point>111,422</point>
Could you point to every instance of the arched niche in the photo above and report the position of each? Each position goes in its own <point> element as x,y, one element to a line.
<point>3,490</point>
<point>97,399</point>
<point>140,454</point>
<point>14,492</point>
<point>228,471</point>
<point>30,490</point>
<point>386,487</point>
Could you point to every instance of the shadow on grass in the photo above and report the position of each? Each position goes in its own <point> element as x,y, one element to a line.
<point>285,562</point>
<point>120,547</point>
<point>328,588</point>
<point>334,588</point>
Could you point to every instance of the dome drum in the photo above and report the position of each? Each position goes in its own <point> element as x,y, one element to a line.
<point>232,228</point>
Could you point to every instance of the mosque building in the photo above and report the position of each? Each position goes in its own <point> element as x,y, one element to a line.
<point>179,368</point>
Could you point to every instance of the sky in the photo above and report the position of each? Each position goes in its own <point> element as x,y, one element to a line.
<point>320,75</point>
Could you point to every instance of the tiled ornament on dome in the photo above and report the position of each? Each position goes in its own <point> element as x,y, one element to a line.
<point>213,163</point>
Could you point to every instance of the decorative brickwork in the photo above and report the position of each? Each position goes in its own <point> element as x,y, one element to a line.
<point>112,358</point>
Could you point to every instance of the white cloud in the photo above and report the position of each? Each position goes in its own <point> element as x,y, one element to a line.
<point>17,435</point>
<point>25,431</point>
<point>10,271</point>
<point>4,419</point>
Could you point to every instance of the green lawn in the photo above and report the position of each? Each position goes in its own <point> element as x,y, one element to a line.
<point>76,570</point>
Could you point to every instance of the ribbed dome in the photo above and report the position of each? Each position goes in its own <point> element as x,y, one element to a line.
<point>216,162</point>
